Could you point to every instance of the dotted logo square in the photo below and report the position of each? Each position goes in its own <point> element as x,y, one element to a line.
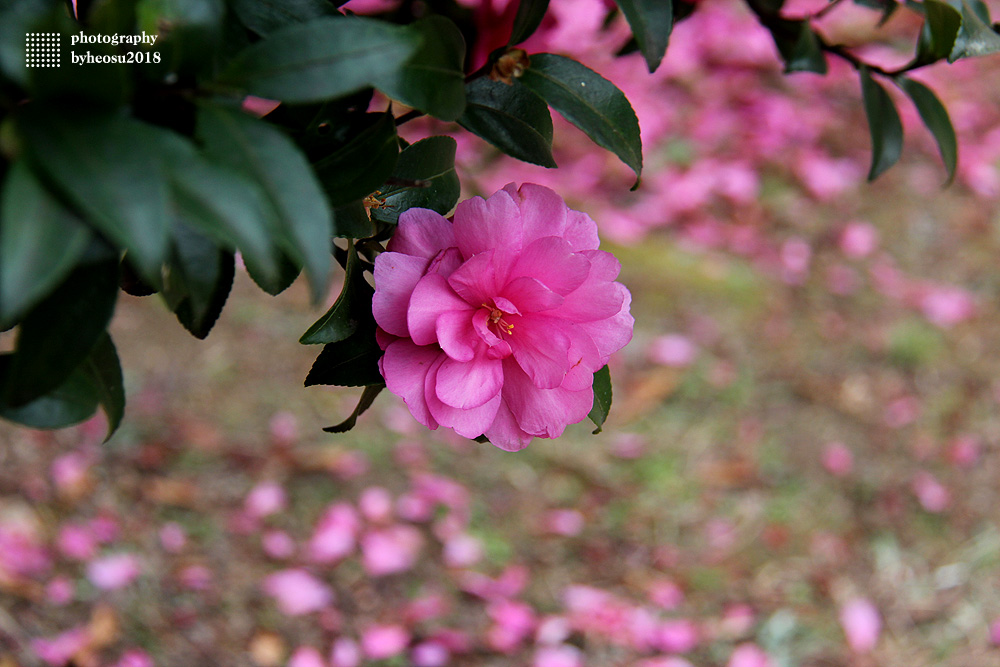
<point>42,49</point>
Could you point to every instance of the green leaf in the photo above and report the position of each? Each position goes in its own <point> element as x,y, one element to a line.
<point>529,16</point>
<point>937,37</point>
<point>602,399</point>
<point>976,37</point>
<point>651,22</point>
<point>322,59</point>
<point>356,169</point>
<point>226,206</point>
<point>96,381</point>
<point>352,362</point>
<point>590,102</point>
<point>40,242</point>
<point>274,284</point>
<point>16,19</point>
<point>266,16</point>
<point>198,279</point>
<point>431,163</point>
<point>352,307</point>
<point>935,117</point>
<point>60,332</point>
<point>73,401</point>
<point>352,221</point>
<point>512,118</point>
<point>105,372</point>
<point>883,123</point>
<point>303,222</point>
<point>190,32</point>
<point>432,80</point>
<point>798,45</point>
<point>110,168</point>
<point>367,398</point>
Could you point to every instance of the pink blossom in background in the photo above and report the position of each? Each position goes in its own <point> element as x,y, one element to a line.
<point>673,350</point>
<point>513,622</point>
<point>113,572</point>
<point>76,542</point>
<point>737,619</point>
<point>995,632</point>
<point>563,655</point>
<point>265,499</point>
<point>306,656</point>
<point>375,504</point>
<point>902,411</point>
<point>258,106</point>
<point>563,522</point>
<point>59,650</point>
<point>462,550</point>
<point>947,306</point>
<point>858,239</point>
<point>749,655</point>
<point>297,592</point>
<point>861,623</point>
<point>964,451</point>
<point>838,459</point>
<point>628,445</point>
<point>335,534</point>
<point>390,550</point>
<point>284,428</point>
<point>665,661</point>
<point>172,537</point>
<point>345,652</point>
<point>69,472</point>
<point>60,591</point>
<point>665,594</point>
<point>196,578</point>
<point>795,258</point>
<point>384,641</point>
<point>933,496</point>
<point>278,544</point>
<point>677,636</point>
<point>135,658</point>
<point>430,654</point>
<point>105,528</point>
<point>495,323</point>
<point>553,630</point>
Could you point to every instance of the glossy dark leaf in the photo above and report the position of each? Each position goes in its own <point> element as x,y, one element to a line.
<point>432,79</point>
<point>109,167</point>
<point>976,37</point>
<point>651,22</point>
<point>798,45</point>
<point>352,307</point>
<point>352,221</point>
<point>431,164</point>
<point>266,16</point>
<point>60,332</point>
<point>602,399</point>
<point>73,401</point>
<point>322,59</point>
<point>510,117</point>
<point>937,37</point>
<point>303,222</point>
<point>883,123</point>
<point>529,16</point>
<point>286,273</point>
<point>935,117</point>
<point>589,101</point>
<point>352,362</point>
<point>367,398</point>
<point>198,279</point>
<point>355,170</point>
<point>40,242</point>
<point>105,373</point>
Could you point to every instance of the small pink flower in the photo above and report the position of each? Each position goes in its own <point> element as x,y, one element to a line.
<point>838,459</point>
<point>563,522</point>
<point>859,239</point>
<point>76,542</point>
<point>265,499</point>
<point>113,572</point>
<point>462,550</point>
<point>678,636</point>
<point>673,350</point>
<point>278,544</point>
<point>558,656</point>
<point>59,650</point>
<point>335,535</point>
<point>306,656</point>
<point>384,641</point>
<point>862,624</point>
<point>135,658</point>
<point>995,632</point>
<point>495,323</point>
<point>375,504</point>
<point>345,653</point>
<point>297,592</point>
<point>947,306</point>
<point>390,550</point>
<point>933,496</point>
<point>430,654</point>
<point>172,537</point>
<point>749,655</point>
<point>60,591</point>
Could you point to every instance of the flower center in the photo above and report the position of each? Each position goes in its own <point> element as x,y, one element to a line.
<point>496,317</point>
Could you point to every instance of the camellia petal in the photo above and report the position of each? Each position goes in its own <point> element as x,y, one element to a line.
<point>399,274</point>
<point>469,384</point>
<point>422,233</point>
<point>467,422</point>
<point>431,297</point>
<point>405,367</point>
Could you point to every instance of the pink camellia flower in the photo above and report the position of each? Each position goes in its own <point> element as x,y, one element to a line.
<point>495,323</point>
